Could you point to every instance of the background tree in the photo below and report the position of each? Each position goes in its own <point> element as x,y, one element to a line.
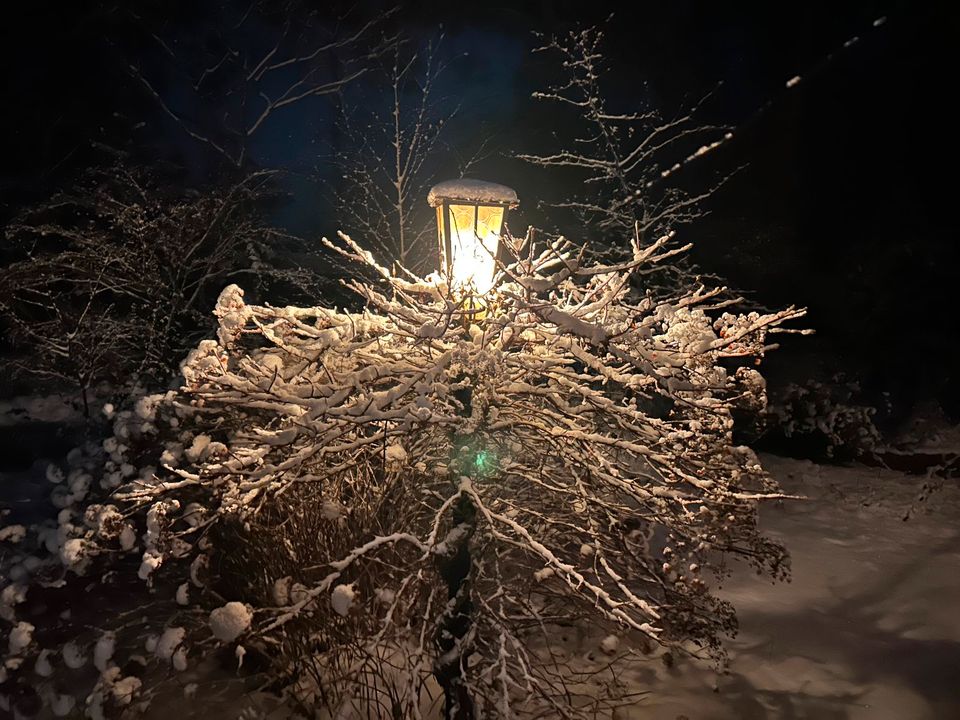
<point>396,124</point>
<point>625,157</point>
<point>111,279</point>
<point>258,61</point>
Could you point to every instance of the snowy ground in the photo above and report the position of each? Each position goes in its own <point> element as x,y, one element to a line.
<point>867,630</point>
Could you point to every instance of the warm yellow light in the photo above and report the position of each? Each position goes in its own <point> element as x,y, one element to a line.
<point>474,238</point>
<point>470,216</point>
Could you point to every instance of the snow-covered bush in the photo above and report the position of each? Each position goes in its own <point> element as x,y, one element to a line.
<point>830,414</point>
<point>386,505</point>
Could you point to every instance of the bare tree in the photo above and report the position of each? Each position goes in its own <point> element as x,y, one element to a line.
<point>397,509</point>
<point>111,279</point>
<point>260,59</point>
<point>625,159</point>
<point>397,126</point>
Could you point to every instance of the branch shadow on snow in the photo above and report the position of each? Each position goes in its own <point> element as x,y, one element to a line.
<point>830,659</point>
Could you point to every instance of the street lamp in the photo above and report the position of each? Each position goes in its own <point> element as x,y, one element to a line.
<point>470,216</point>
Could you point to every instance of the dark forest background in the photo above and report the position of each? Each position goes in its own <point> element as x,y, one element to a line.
<point>840,202</point>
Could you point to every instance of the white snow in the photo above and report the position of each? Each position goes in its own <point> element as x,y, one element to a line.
<point>54,474</point>
<point>103,651</point>
<point>61,704</point>
<point>124,690</point>
<point>169,641</point>
<point>230,621</point>
<point>128,537</point>
<point>193,514</point>
<point>197,447</point>
<point>43,408</point>
<point>341,599</point>
<point>610,644</point>
<point>198,565</point>
<point>281,591</point>
<point>42,666</point>
<point>73,555</point>
<point>146,407</point>
<point>866,629</point>
<point>430,330</point>
<point>171,454</point>
<point>20,637</point>
<point>12,533</point>
<point>467,190</point>
<point>794,81</point>
<point>11,596</point>
<point>73,656</point>
<point>180,659</point>
<point>543,574</point>
<point>385,595</point>
<point>396,455</point>
<point>151,561</point>
<point>232,312</point>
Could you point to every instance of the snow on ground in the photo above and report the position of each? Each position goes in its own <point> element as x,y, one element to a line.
<point>867,630</point>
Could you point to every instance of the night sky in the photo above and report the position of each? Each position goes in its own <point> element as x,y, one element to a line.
<point>841,203</point>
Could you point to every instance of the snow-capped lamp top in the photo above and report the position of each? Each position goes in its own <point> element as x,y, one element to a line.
<point>466,190</point>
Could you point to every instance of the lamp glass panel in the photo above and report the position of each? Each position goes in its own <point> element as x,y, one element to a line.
<point>474,237</point>
<point>489,221</point>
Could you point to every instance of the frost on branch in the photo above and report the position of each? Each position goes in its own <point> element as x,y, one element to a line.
<point>382,512</point>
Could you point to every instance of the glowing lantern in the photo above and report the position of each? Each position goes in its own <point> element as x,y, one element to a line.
<point>470,216</point>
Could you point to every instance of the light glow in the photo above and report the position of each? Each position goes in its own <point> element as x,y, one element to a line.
<point>474,239</point>
<point>470,216</point>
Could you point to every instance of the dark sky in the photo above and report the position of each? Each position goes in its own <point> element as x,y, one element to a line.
<point>841,204</point>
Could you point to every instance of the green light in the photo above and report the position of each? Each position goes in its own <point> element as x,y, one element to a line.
<point>481,461</point>
<point>472,457</point>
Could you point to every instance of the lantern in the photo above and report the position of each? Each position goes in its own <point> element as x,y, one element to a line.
<point>470,216</point>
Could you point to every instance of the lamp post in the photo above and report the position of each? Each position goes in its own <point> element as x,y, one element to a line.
<point>470,215</point>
